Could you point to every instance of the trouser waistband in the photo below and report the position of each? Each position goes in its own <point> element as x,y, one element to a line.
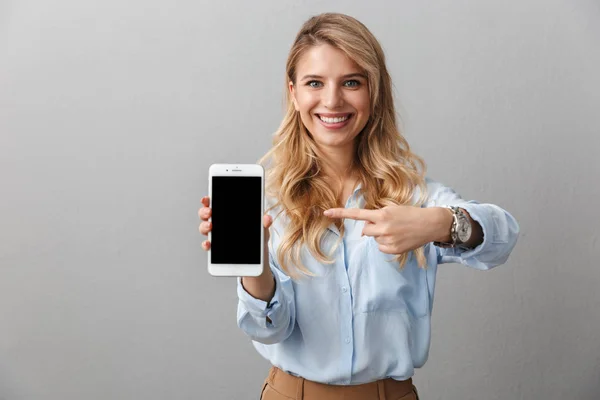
<point>302,389</point>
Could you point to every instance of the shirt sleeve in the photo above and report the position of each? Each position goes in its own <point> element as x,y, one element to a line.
<point>252,313</point>
<point>500,230</point>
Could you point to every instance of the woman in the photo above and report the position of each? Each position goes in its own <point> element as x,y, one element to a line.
<point>344,311</point>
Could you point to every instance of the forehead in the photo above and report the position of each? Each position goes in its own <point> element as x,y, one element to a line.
<point>327,61</point>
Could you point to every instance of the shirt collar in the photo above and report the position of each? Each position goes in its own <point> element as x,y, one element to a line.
<point>332,226</point>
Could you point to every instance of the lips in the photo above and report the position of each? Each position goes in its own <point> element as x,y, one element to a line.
<point>334,121</point>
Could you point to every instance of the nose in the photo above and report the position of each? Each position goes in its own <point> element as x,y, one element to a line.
<point>333,97</point>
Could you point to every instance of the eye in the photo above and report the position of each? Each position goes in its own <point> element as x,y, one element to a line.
<point>314,84</point>
<point>353,83</point>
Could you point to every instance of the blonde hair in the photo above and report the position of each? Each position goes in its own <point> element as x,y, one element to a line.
<point>388,171</point>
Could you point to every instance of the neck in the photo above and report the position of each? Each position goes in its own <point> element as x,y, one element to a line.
<point>339,163</point>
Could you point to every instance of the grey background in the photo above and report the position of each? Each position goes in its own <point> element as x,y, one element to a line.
<point>112,111</point>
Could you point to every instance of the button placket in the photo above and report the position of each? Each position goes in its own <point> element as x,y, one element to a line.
<point>346,317</point>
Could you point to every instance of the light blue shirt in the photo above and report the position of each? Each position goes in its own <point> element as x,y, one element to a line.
<point>362,318</point>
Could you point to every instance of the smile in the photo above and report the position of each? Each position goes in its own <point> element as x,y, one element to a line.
<point>334,121</point>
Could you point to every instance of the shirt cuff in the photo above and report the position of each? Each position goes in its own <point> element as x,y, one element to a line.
<point>455,254</point>
<point>483,218</point>
<point>261,310</point>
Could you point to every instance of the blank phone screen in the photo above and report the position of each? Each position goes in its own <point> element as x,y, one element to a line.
<point>236,219</point>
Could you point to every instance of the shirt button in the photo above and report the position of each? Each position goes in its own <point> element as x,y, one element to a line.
<point>347,340</point>
<point>344,289</point>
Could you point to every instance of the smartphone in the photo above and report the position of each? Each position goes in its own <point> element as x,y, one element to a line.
<point>237,237</point>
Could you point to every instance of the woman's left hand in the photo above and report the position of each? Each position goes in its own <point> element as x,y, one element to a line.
<point>399,229</point>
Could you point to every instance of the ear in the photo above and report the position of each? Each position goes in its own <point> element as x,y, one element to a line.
<point>292,89</point>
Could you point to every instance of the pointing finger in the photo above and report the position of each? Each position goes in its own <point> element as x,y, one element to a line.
<point>352,213</point>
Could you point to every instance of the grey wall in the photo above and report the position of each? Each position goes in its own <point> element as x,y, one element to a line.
<point>112,111</point>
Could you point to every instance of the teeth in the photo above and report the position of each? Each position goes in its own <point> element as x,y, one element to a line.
<point>333,120</point>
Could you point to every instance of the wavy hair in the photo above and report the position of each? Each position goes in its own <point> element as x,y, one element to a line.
<point>388,171</point>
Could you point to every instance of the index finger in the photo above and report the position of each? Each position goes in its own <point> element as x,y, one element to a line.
<point>352,213</point>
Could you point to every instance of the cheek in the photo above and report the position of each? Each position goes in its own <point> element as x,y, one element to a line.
<point>307,120</point>
<point>306,105</point>
<point>363,106</point>
<point>305,115</point>
<point>304,100</point>
<point>363,103</point>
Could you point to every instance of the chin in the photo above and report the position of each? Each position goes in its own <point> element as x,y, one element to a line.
<point>332,142</point>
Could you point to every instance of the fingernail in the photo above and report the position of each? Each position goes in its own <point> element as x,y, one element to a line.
<point>327,213</point>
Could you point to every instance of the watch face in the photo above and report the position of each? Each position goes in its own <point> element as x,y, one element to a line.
<point>464,230</point>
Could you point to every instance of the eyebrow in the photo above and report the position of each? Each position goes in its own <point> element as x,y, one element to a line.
<point>353,75</point>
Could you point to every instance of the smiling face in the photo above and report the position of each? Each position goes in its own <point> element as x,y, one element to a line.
<point>332,96</point>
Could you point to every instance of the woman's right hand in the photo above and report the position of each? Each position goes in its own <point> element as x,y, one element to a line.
<point>261,287</point>
<point>205,213</point>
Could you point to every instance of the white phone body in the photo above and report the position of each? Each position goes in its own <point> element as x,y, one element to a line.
<point>236,194</point>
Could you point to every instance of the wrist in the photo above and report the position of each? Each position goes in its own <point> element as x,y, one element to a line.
<point>260,287</point>
<point>442,220</point>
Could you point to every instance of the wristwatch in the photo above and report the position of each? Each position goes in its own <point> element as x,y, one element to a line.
<point>461,229</point>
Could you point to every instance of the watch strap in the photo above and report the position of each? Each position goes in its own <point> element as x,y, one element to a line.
<point>453,229</point>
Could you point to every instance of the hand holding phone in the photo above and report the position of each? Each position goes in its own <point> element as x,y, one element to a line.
<point>234,222</point>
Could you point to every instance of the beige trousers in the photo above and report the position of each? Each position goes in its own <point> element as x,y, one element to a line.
<point>282,386</point>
